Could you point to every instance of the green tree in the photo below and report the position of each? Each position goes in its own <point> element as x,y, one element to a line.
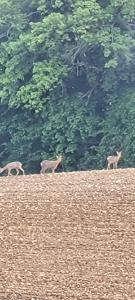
<point>63,68</point>
<point>119,129</point>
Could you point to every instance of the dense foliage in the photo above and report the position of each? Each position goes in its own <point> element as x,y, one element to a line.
<point>67,81</point>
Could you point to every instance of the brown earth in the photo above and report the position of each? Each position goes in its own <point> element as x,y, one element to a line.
<point>68,236</point>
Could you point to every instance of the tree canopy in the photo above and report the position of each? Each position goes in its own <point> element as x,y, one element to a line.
<point>67,81</point>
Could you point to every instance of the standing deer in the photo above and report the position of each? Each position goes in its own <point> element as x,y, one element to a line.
<point>113,160</point>
<point>15,165</point>
<point>50,164</point>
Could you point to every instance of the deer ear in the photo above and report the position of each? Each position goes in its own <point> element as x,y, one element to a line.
<point>119,152</point>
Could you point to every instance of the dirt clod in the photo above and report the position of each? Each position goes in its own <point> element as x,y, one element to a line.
<point>68,236</point>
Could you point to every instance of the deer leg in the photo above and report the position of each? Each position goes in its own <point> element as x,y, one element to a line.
<point>108,167</point>
<point>9,173</point>
<point>115,165</point>
<point>17,172</point>
<point>42,171</point>
<point>22,171</point>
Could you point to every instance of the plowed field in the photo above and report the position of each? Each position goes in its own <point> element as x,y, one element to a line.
<point>68,236</point>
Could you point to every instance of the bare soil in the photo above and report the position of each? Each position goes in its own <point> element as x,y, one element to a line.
<point>68,236</point>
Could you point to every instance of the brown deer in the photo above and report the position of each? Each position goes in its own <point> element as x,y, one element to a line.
<point>113,160</point>
<point>50,164</point>
<point>15,165</point>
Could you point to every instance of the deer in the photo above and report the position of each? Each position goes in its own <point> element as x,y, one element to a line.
<point>113,160</point>
<point>50,164</point>
<point>15,165</point>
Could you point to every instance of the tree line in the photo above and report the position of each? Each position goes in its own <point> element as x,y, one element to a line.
<point>67,82</point>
